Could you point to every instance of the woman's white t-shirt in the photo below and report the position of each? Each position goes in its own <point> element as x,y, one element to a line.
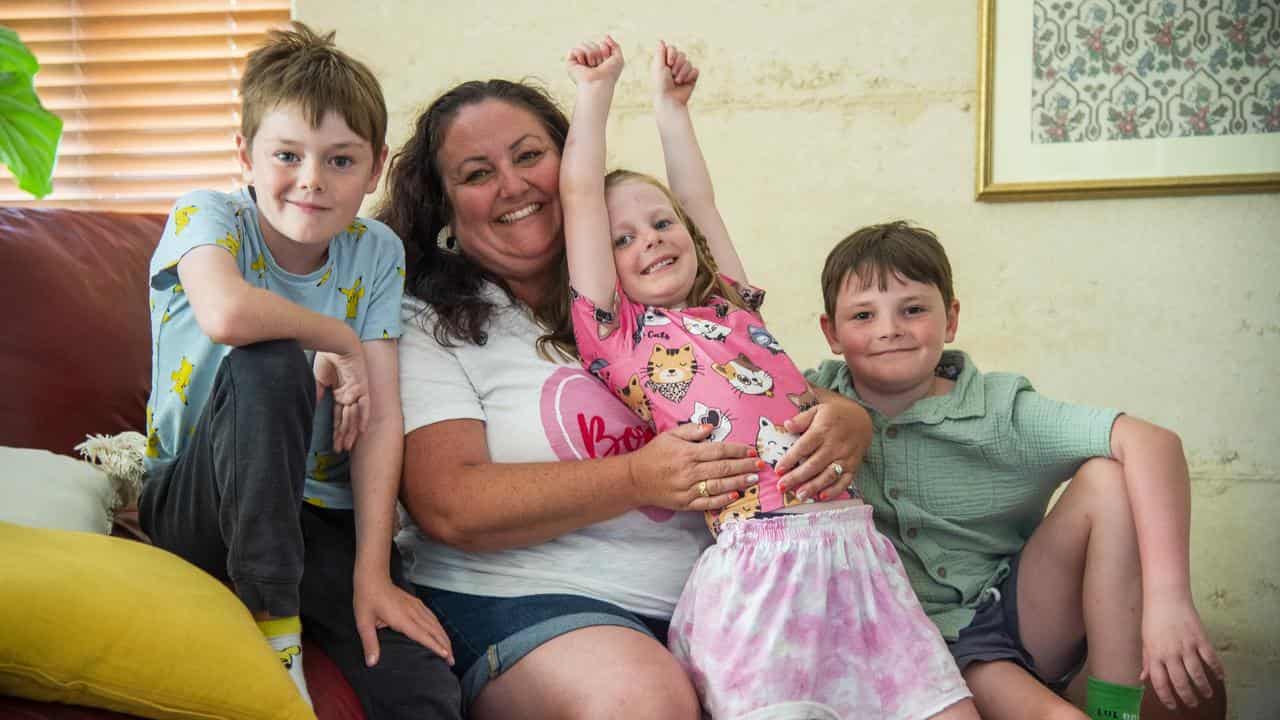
<point>535,410</point>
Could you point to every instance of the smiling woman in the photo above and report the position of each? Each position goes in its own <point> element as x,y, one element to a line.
<point>555,579</point>
<point>501,172</point>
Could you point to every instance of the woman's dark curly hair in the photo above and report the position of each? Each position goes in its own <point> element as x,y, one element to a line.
<point>416,206</point>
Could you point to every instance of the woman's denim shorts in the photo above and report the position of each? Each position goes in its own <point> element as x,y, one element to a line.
<point>490,634</point>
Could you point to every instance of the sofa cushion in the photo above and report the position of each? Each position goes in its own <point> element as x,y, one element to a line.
<point>41,489</point>
<point>120,625</point>
<point>333,697</point>
<point>75,352</point>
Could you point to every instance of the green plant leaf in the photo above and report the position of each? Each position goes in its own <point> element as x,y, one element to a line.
<point>28,133</point>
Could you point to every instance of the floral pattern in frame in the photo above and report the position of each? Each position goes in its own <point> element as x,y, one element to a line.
<point>1105,70</point>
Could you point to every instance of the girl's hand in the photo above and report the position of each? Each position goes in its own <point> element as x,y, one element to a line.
<point>591,62</point>
<point>679,472</point>
<point>674,77</point>
<point>1176,653</point>
<point>348,378</point>
<point>379,603</point>
<point>836,431</point>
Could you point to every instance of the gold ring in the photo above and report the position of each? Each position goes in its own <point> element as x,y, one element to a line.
<point>702,489</point>
<point>837,468</point>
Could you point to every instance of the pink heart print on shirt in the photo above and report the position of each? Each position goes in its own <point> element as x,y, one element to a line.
<point>582,419</point>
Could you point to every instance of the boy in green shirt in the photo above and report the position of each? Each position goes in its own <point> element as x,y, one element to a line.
<point>960,472</point>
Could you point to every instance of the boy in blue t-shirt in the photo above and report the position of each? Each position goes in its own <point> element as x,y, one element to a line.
<point>274,431</point>
<point>960,471</point>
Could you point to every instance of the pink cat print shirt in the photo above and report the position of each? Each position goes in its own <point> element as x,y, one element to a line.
<point>713,364</point>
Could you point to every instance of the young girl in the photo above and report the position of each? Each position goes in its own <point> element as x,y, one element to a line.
<point>800,610</point>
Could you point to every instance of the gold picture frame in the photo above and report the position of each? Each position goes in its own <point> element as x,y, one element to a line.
<point>1009,163</point>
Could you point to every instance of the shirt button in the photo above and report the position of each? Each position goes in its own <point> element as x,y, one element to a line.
<point>891,432</point>
<point>912,532</point>
<point>942,572</point>
<point>894,493</point>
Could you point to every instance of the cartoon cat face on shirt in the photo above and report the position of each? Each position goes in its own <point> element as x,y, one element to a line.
<point>706,329</point>
<point>804,400</point>
<point>714,417</point>
<point>633,396</point>
<point>745,376</point>
<point>651,317</point>
<point>744,508</point>
<point>671,372</point>
<point>761,337</point>
<point>773,442</point>
<point>668,365</point>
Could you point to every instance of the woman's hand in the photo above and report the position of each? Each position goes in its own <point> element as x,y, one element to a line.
<point>836,432</point>
<point>679,472</point>
<point>674,77</point>
<point>593,62</point>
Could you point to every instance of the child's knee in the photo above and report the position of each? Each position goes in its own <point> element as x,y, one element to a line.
<point>1102,471</point>
<point>1102,493</point>
<point>1101,482</point>
<point>272,367</point>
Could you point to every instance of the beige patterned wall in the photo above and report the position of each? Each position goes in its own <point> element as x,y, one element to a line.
<point>818,117</point>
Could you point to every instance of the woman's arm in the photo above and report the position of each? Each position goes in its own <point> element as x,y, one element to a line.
<point>588,243</point>
<point>460,497</point>
<point>674,79</point>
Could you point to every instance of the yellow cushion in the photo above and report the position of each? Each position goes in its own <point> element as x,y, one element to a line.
<point>99,621</point>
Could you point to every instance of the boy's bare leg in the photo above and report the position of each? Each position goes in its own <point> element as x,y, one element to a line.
<point>1003,690</point>
<point>1079,575</point>
<point>963,710</point>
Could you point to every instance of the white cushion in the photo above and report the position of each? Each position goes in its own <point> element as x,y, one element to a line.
<point>41,489</point>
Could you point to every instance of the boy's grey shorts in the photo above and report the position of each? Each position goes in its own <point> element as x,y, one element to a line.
<point>993,635</point>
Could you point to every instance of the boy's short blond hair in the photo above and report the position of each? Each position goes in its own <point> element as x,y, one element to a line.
<point>299,67</point>
<point>875,252</point>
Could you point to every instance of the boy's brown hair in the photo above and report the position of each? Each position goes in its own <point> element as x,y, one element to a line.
<point>875,252</point>
<point>299,66</point>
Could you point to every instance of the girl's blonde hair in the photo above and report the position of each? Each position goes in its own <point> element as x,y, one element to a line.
<point>708,281</point>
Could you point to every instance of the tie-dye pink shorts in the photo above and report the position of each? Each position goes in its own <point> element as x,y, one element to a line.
<point>811,607</point>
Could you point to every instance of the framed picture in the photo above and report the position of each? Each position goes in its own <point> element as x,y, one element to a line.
<point>1123,98</point>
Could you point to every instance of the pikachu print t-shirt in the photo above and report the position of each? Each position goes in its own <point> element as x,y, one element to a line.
<point>714,364</point>
<point>360,282</point>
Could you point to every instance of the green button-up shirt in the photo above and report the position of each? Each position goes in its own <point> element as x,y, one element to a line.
<point>960,481</point>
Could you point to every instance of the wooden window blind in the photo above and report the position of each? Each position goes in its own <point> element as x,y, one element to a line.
<point>147,91</point>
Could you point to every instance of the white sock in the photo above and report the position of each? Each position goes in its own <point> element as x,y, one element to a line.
<point>284,635</point>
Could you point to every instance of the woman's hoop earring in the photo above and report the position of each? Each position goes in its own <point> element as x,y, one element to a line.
<point>446,241</point>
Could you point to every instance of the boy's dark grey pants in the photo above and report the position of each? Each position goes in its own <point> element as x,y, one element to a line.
<point>231,504</point>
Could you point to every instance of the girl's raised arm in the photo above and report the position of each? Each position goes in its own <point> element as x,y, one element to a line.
<point>674,78</point>
<point>595,68</point>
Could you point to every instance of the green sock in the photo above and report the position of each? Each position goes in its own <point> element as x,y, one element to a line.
<point>1111,701</point>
